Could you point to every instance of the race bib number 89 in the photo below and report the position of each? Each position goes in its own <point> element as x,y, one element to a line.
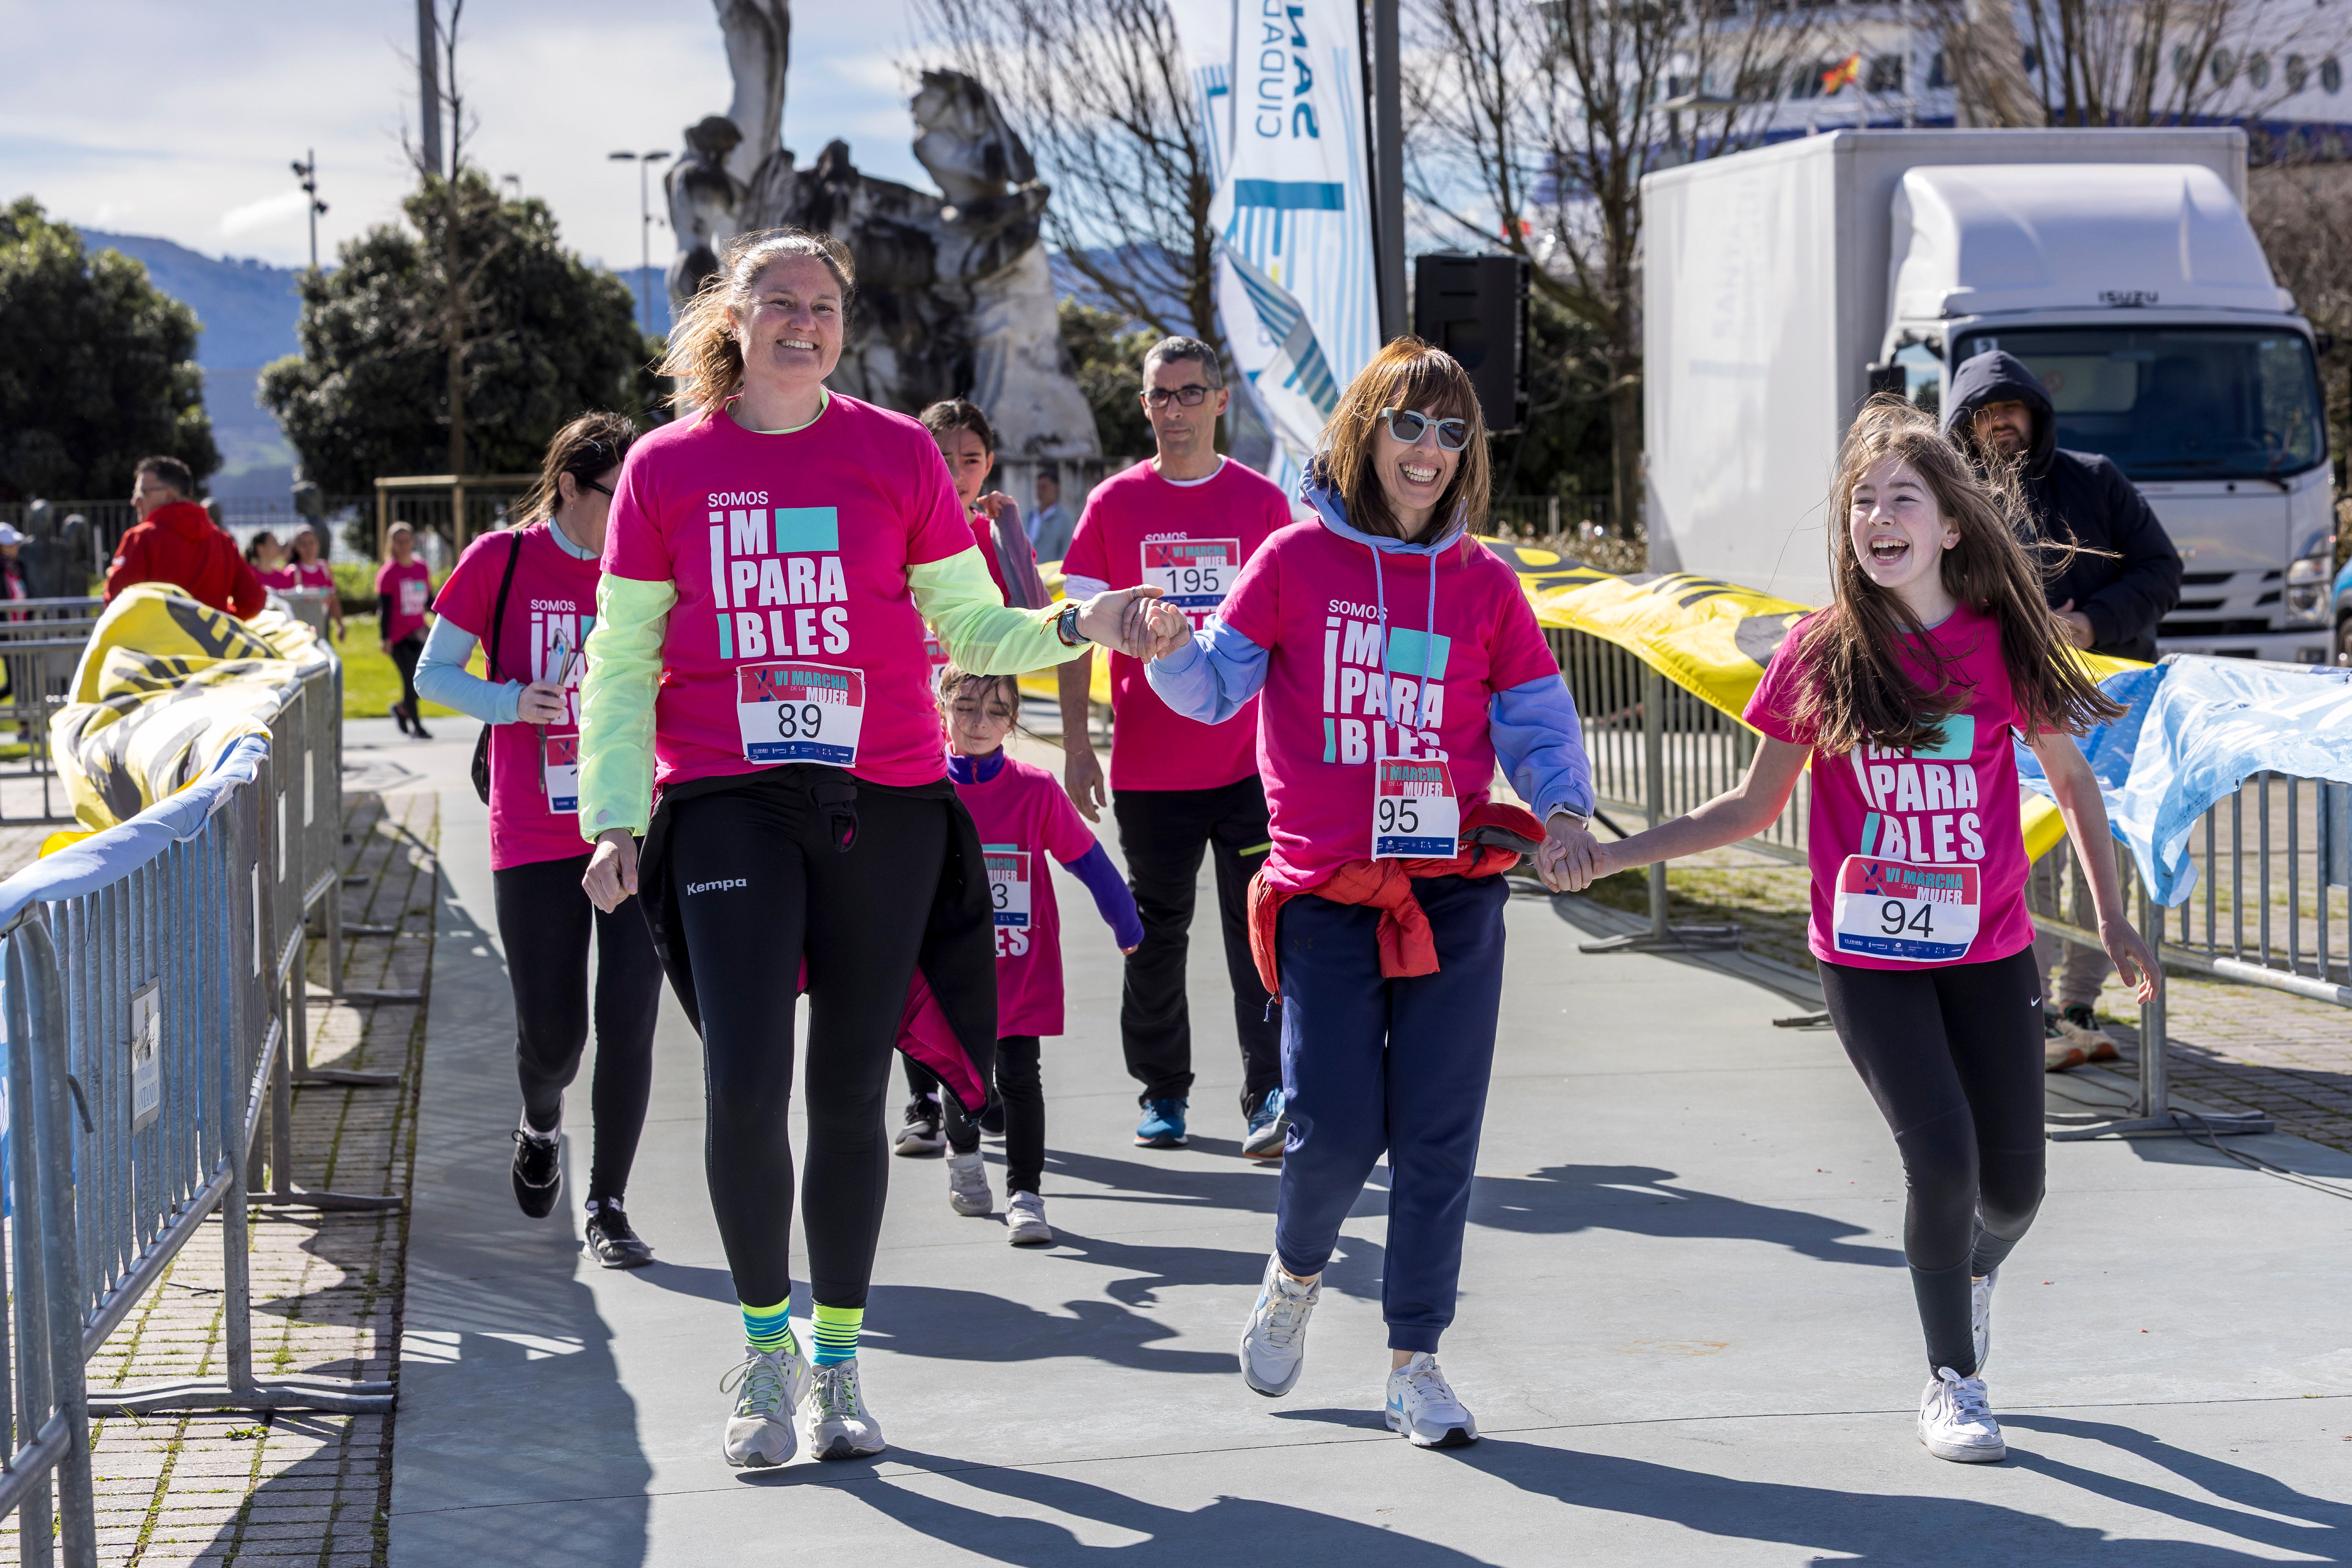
<point>1891,909</point>
<point>791,712</point>
<point>1415,814</point>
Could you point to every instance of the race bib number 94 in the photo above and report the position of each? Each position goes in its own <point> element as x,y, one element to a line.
<point>791,712</point>
<point>1193,574</point>
<point>1891,909</point>
<point>1415,814</point>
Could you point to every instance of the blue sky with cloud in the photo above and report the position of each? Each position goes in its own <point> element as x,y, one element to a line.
<point>180,119</point>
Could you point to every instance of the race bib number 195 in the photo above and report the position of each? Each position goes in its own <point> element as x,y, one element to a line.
<point>793,712</point>
<point>1415,814</point>
<point>1891,909</point>
<point>1193,574</point>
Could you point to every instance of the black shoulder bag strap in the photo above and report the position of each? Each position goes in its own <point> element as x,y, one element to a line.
<point>498,624</point>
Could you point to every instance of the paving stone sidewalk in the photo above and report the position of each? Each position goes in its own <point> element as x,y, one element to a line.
<point>221,1488</point>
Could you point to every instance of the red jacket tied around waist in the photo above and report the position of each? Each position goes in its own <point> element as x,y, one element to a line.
<point>1407,948</point>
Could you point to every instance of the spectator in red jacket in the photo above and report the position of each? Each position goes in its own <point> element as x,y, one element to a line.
<point>175,543</point>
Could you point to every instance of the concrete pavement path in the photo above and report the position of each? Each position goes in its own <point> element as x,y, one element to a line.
<point>1685,1327</point>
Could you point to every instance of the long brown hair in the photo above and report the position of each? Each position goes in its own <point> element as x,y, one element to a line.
<point>591,444</point>
<point>1407,373</point>
<point>1859,689</point>
<point>704,357</point>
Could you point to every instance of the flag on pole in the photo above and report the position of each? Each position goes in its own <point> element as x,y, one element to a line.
<point>1847,71</point>
<point>1279,85</point>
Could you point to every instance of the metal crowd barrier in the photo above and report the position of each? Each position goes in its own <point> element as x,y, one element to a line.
<point>2275,861</point>
<point>40,642</point>
<point>155,1005</point>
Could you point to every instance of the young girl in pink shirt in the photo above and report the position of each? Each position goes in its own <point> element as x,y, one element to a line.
<point>1904,695</point>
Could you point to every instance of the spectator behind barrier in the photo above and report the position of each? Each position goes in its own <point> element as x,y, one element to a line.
<point>176,543</point>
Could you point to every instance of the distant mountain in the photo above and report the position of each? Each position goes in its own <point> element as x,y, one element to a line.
<point>248,308</point>
<point>1071,283</point>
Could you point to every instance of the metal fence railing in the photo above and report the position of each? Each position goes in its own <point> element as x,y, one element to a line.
<point>151,1056</point>
<point>40,643</point>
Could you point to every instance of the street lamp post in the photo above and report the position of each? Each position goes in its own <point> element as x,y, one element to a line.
<point>307,171</point>
<point>645,230</point>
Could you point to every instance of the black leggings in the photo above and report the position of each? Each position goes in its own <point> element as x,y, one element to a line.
<point>755,882</point>
<point>545,921</point>
<point>1021,1086</point>
<point>1953,1057</point>
<point>405,654</point>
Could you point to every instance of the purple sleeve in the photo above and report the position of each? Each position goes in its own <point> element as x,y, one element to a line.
<point>1111,897</point>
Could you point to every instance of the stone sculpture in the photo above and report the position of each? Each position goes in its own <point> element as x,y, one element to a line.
<point>954,293</point>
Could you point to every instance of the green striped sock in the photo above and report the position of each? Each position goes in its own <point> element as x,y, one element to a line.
<point>769,1327</point>
<point>835,1332</point>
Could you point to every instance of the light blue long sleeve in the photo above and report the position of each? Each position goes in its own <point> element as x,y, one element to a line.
<point>1212,676</point>
<point>441,676</point>
<point>1541,746</point>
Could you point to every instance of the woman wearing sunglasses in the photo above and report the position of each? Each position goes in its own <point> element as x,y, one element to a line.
<point>1398,661</point>
<point>530,593</point>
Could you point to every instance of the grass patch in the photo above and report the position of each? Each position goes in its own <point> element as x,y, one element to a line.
<point>371,681</point>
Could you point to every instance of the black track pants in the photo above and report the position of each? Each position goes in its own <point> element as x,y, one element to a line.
<point>1953,1057</point>
<point>405,654</point>
<point>1162,832</point>
<point>545,922</point>
<point>1021,1086</point>
<point>755,882</point>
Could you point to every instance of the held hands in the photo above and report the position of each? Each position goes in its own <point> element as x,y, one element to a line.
<point>612,870</point>
<point>2135,962</point>
<point>542,702</point>
<point>1120,619</point>
<point>1570,857</point>
<point>1168,630</point>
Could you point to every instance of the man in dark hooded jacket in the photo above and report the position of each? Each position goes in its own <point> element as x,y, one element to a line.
<point>1999,413</point>
<point>2112,603</point>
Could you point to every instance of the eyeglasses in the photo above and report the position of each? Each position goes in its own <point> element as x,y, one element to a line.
<point>1406,425</point>
<point>598,488</point>
<point>1189,397</point>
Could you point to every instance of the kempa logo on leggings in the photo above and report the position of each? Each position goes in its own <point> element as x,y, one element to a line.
<point>693,888</point>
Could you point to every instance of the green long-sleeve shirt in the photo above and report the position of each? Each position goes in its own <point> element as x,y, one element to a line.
<point>956,595</point>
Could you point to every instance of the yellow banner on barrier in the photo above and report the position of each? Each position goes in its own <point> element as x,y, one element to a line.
<point>165,687</point>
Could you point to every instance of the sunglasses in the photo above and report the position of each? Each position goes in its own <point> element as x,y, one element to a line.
<point>599,490</point>
<point>1453,434</point>
<point>1189,397</point>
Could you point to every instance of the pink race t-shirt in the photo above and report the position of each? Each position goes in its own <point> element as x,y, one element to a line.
<point>1327,715</point>
<point>279,577</point>
<point>317,575</point>
<point>1024,814</point>
<point>1917,855</point>
<point>411,587</point>
<point>1192,541</point>
<point>794,637</point>
<point>550,608</point>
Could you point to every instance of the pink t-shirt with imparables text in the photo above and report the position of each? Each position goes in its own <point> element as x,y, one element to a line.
<point>551,609</point>
<point>410,588</point>
<point>1916,855</point>
<point>1325,714</point>
<point>1192,541</point>
<point>790,556</point>
<point>1024,816</point>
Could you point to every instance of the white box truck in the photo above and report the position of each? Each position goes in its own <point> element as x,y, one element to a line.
<point>1783,286</point>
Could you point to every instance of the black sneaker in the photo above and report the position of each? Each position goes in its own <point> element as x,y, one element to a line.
<point>399,716</point>
<point>610,1241</point>
<point>416,725</point>
<point>921,1134</point>
<point>537,1172</point>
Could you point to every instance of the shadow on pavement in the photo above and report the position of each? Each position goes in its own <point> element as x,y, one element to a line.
<point>1561,1199</point>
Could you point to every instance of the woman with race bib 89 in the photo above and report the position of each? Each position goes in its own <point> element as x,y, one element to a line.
<point>758,661</point>
<point>1903,695</point>
<point>1399,661</point>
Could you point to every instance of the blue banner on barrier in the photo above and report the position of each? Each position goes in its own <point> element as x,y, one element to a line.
<point>2198,729</point>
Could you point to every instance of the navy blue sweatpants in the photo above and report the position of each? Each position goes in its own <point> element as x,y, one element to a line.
<point>1372,1065</point>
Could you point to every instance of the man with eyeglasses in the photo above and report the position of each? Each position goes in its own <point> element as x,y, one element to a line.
<point>1185,521</point>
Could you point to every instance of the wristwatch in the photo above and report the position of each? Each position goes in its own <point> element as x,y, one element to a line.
<point>1584,821</point>
<point>1065,625</point>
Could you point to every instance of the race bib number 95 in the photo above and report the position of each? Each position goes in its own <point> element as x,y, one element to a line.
<point>1892,908</point>
<point>1415,814</point>
<point>791,712</point>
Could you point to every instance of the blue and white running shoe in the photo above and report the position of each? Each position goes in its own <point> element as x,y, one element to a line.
<point>1162,1126</point>
<point>1423,1406</point>
<point>1269,1125</point>
<point>1274,1344</point>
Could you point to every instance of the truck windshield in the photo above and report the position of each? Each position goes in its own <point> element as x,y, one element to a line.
<point>2177,403</point>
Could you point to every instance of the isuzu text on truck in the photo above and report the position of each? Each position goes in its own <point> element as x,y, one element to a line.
<point>1783,286</point>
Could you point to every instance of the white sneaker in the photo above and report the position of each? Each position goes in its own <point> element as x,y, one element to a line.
<point>1981,1315</point>
<point>1422,1405</point>
<point>767,1385</point>
<point>1956,1423</point>
<point>1274,1344</point>
<point>839,1425</point>
<point>1024,1221</point>
<point>968,1184</point>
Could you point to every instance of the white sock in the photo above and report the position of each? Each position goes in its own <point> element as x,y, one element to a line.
<point>524,1122</point>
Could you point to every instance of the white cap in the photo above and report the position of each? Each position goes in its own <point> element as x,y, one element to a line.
<point>11,534</point>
